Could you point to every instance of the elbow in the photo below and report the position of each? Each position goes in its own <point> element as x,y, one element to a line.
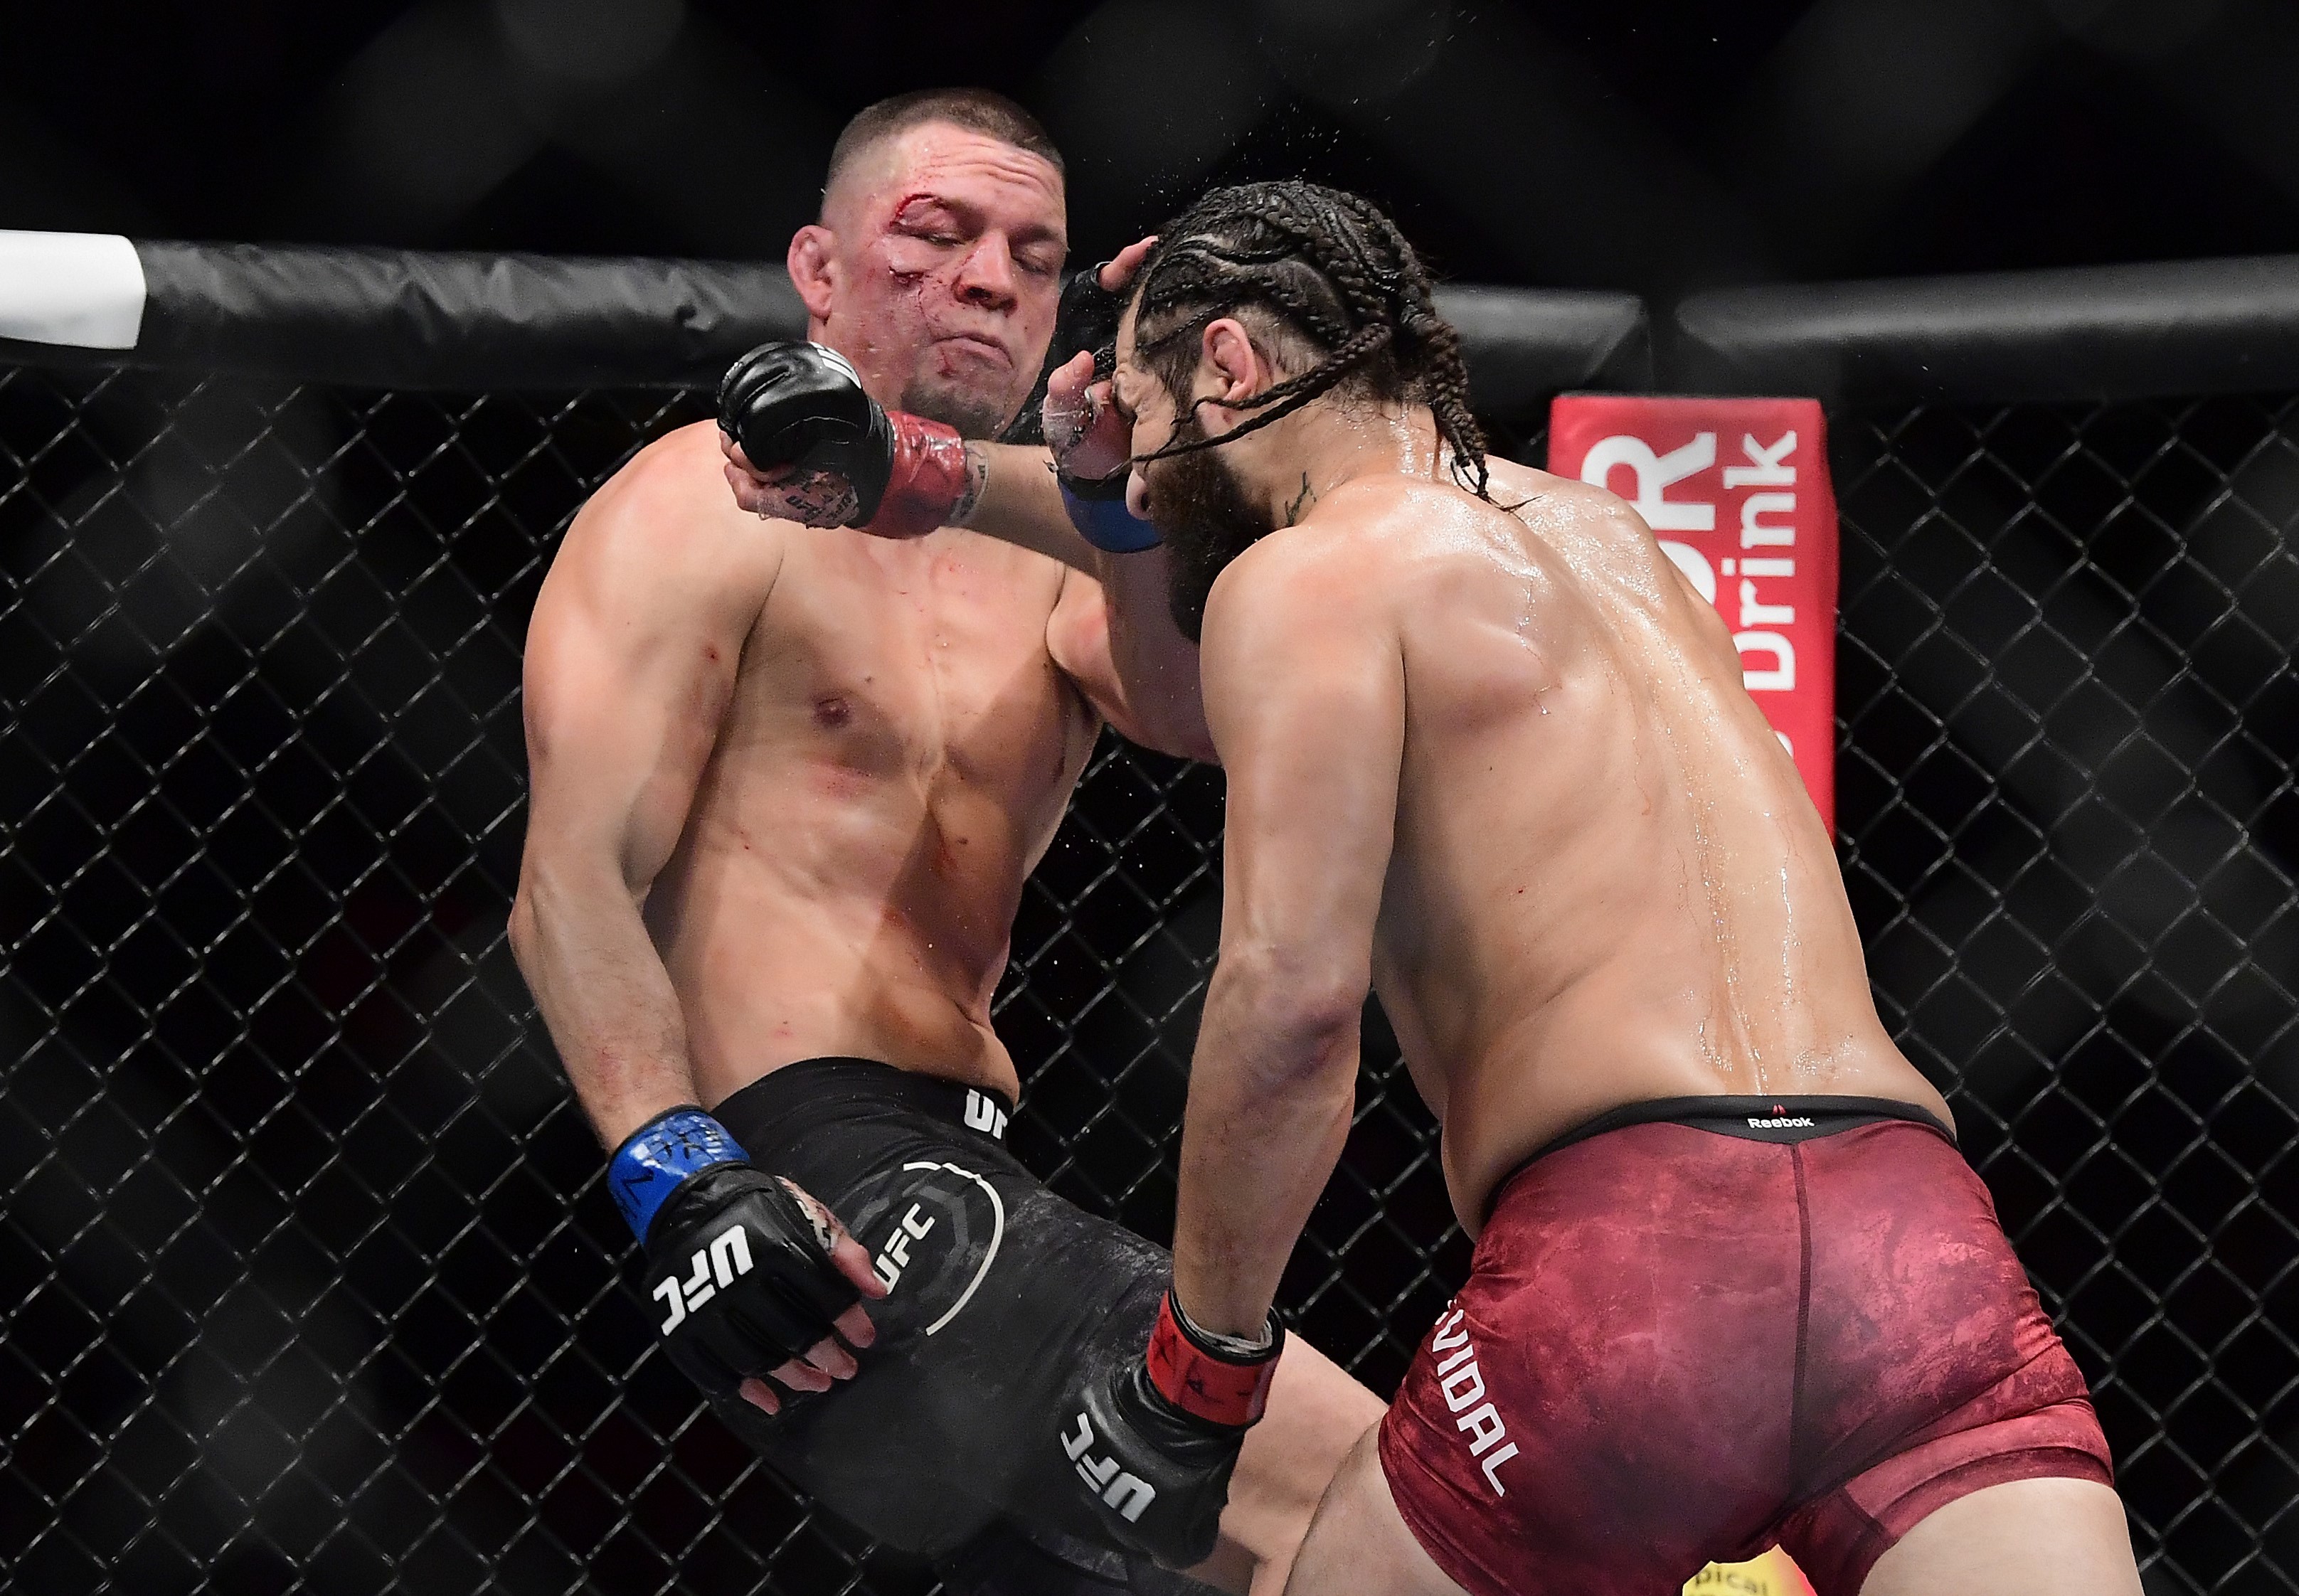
<point>1185,738</point>
<point>541,899</point>
<point>1309,1005</point>
<point>567,895</point>
<point>1193,741</point>
<point>1176,723</point>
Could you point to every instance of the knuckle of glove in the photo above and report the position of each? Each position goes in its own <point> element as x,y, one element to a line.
<point>700,1363</point>
<point>1094,462</point>
<point>725,1348</point>
<point>801,405</point>
<point>800,1265</point>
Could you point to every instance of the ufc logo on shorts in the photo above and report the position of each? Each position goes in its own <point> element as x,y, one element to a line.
<point>895,1257</point>
<point>1128,1494</point>
<point>1464,1384</point>
<point>984,1115</point>
<point>727,1256</point>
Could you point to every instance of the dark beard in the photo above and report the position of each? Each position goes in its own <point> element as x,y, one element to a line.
<point>1208,520</point>
<point>971,412</point>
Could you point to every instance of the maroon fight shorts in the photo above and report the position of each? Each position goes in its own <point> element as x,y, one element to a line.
<point>1699,1327</point>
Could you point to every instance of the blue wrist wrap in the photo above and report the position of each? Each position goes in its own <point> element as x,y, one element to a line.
<point>660,1155</point>
<point>1108,525</point>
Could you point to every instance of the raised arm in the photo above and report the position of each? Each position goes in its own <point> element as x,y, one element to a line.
<point>1305,692</point>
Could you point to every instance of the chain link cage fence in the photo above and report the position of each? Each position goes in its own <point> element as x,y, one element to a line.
<point>312,1282</point>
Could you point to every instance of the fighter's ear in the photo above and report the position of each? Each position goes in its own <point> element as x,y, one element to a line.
<point>811,270</point>
<point>1237,369</point>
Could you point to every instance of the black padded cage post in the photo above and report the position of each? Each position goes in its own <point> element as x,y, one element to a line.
<point>316,1288</point>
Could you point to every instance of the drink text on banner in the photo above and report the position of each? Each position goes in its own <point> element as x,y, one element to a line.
<point>1738,492</point>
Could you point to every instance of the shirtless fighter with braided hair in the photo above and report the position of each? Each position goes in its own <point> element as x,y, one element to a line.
<point>1489,754</point>
<point>786,786</point>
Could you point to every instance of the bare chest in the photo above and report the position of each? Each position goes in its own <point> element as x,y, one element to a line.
<point>920,662</point>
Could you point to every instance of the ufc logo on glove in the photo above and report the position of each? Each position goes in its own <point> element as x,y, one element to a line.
<point>1128,1494</point>
<point>721,1264</point>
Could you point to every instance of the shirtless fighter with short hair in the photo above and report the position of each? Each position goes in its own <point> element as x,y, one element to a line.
<point>1489,754</point>
<point>787,787</point>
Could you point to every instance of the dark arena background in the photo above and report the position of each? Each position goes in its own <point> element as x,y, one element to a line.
<point>311,1281</point>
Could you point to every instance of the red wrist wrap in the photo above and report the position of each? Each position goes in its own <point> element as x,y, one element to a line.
<point>927,481</point>
<point>1197,1382</point>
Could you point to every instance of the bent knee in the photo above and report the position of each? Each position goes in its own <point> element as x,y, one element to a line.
<point>1316,1413</point>
<point>1359,1544</point>
<point>1311,1392</point>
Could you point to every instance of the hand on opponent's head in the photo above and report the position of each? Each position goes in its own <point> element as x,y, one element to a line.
<point>1090,438</point>
<point>1079,358</point>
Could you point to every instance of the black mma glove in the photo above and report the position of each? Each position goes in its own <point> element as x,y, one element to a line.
<point>738,1260</point>
<point>852,463</point>
<point>1086,318</point>
<point>801,405</point>
<point>1156,1441</point>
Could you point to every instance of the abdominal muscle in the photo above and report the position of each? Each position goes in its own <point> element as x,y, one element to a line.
<point>845,915</point>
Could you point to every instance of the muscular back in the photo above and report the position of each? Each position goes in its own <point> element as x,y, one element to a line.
<point>827,763</point>
<point>1607,883</point>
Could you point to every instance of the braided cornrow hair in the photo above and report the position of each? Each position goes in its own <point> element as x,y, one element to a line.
<point>1337,273</point>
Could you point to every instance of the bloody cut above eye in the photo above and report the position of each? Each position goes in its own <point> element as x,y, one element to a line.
<point>926,213</point>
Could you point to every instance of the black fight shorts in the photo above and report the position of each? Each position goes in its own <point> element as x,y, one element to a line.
<point>1004,1301</point>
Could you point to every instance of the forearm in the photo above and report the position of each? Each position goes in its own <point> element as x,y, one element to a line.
<point>1017,500</point>
<point>603,992</point>
<point>1271,1094</point>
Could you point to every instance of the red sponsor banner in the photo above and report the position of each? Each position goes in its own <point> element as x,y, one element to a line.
<point>1736,491</point>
